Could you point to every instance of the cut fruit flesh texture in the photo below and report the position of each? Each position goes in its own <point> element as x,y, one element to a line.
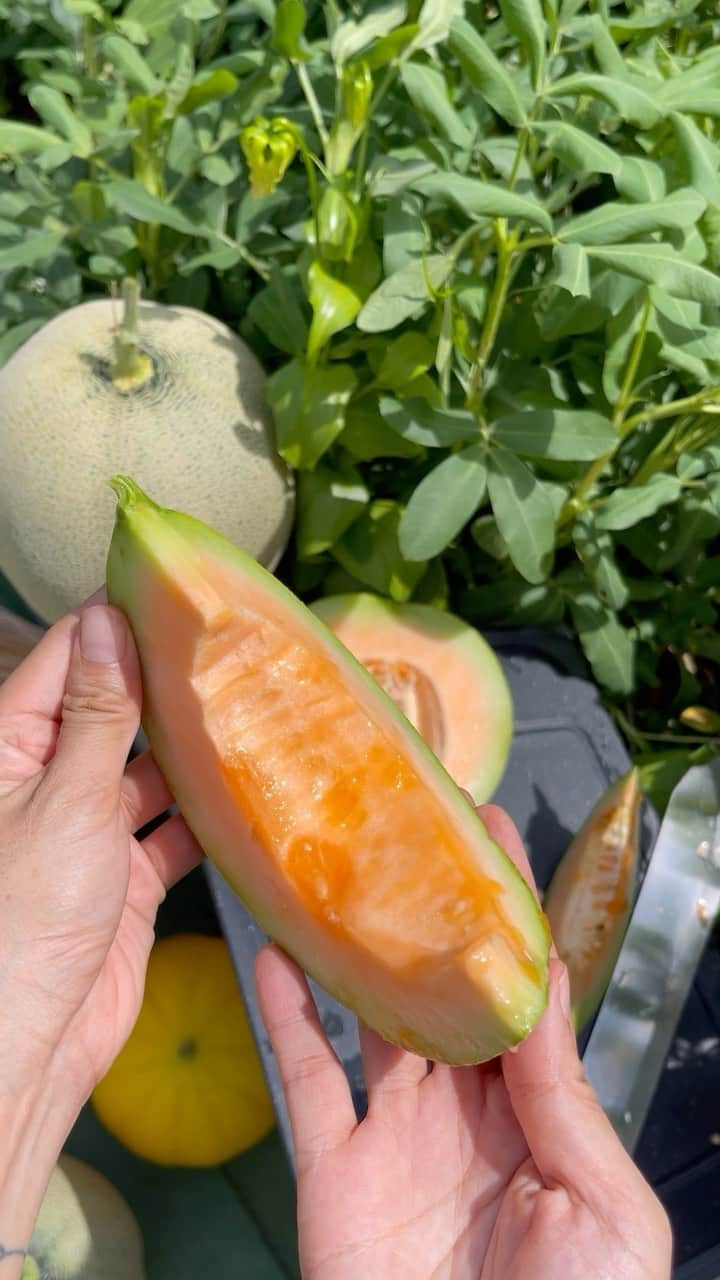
<point>442,675</point>
<point>321,809</point>
<point>589,899</point>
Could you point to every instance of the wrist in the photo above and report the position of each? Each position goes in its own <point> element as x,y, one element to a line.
<point>34,1120</point>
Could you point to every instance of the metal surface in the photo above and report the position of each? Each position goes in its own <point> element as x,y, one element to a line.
<point>666,937</point>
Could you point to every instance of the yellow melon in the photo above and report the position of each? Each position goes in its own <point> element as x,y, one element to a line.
<point>192,425</point>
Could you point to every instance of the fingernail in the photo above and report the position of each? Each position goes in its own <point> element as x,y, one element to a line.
<point>103,635</point>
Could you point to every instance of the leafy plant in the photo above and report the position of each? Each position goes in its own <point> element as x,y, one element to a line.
<point>478,251</point>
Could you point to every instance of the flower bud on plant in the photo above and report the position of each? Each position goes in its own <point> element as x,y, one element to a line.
<point>357,88</point>
<point>269,147</point>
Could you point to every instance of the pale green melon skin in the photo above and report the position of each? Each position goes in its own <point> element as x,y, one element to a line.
<point>492,747</point>
<point>558,902</point>
<point>149,549</point>
<point>199,433</point>
<point>85,1230</point>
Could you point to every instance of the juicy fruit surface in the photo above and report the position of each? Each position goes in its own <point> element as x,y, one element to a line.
<point>188,1088</point>
<point>441,674</point>
<point>589,899</point>
<point>322,807</point>
<point>199,431</point>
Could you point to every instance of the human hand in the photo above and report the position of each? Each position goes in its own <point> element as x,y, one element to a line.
<point>506,1171</point>
<point>78,893</point>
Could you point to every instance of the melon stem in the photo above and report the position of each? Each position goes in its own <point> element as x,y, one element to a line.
<point>130,367</point>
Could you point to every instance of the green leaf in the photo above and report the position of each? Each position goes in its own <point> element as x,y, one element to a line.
<point>523,512</point>
<point>370,551</point>
<point>660,772</point>
<point>403,231</point>
<point>15,336</point>
<point>662,265</point>
<point>627,506</point>
<point>276,310</point>
<point>34,248</point>
<point>53,108</point>
<point>640,179</point>
<point>579,151</point>
<point>16,139</point>
<point>698,157</point>
<point>367,437</point>
<point>351,38</point>
<point>309,405</point>
<point>633,104</point>
<point>563,434</point>
<point>328,503</point>
<point>131,197</point>
<point>572,269</point>
<point>434,21</point>
<point>427,90</point>
<point>513,598</point>
<point>443,502</point>
<point>130,63</point>
<point>526,21</point>
<point>334,306</point>
<point>405,359</point>
<point>404,293</point>
<point>288,27</point>
<point>608,647</point>
<point>617,221</point>
<point>208,88</point>
<point>486,73</point>
<point>597,553</point>
<point>419,422</point>
<point>482,199</point>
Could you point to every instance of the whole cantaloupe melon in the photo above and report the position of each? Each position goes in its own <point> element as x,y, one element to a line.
<point>84,1231</point>
<point>196,431</point>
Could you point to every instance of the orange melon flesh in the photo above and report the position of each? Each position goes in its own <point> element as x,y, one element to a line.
<point>443,676</point>
<point>320,804</point>
<point>590,896</point>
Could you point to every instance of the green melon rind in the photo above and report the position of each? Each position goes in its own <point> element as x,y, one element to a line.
<point>556,898</point>
<point>142,523</point>
<point>362,607</point>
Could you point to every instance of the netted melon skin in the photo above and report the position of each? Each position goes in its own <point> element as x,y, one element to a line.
<point>199,434</point>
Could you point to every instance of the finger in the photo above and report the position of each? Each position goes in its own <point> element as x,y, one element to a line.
<point>145,793</point>
<point>37,686</point>
<point>100,709</point>
<point>501,828</point>
<point>173,850</point>
<point>318,1097</point>
<point>568,1133</point>
<point>388,1070</point>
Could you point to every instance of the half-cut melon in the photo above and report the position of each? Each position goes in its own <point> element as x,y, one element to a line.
<point>441,674</point>
<point>319,802</point>
<point>590,896</point>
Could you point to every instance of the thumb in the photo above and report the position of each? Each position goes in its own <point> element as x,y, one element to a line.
<point>101,707</point>
<point>570,1138</point>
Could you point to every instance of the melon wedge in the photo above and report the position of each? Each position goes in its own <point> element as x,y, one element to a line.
<point>441,673</point>
<point>589,899</point>
<point>320,804</point>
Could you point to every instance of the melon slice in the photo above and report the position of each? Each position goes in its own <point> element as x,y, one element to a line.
<point>442,675</point>
<point>318,801</point>
<point>590,896</point>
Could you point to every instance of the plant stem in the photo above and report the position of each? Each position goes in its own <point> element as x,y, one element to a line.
<point>311,99</point>
<point>383,87</point>
<point>673,408</point>
<point>503,275</point>
<point>130,367</point>
<point>523,137</point>
<point>636,351</point>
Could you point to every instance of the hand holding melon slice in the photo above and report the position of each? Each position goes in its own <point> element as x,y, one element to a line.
<point>320,804</point>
